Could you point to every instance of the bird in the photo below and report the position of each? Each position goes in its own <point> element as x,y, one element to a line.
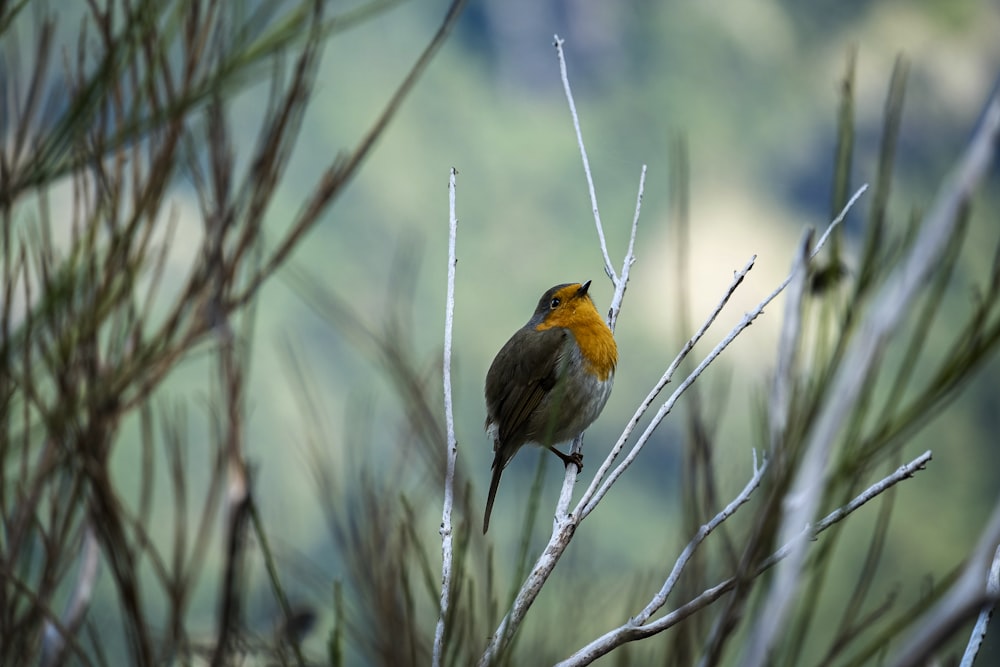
<point>550,381</point>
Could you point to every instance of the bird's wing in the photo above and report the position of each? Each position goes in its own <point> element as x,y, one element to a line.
<point>520,377</point>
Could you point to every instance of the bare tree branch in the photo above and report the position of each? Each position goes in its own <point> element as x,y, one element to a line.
<point>992,595</point>
<point>452,443</point>
<point>609,269</point>
<point>622,283</point>
<point>631,631</point>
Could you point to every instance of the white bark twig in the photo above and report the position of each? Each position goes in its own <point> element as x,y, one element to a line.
<point>631,631</point>
<point>452,443</point>
<point>622,284</point>
<point>660,598</point>
<point>878,488</point>
<point>888,309</point>
<point>608,268</point>
<point>983,621</point>
<point>569,480</point>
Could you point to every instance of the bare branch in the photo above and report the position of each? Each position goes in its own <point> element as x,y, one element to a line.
<point>452,443</point>
<point>660,598</point>
<point>631,632</point>
<point>992,595</point>
<point>622,284</point>
<point>608,268</point>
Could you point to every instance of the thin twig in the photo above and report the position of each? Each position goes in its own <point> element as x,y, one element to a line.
<point>992,595</point>
<point>608,268</point>
<point>452,443</point>
<point>629,631</point>
<point>622,284</point>
<point>660,598</point>
<point>239,505</point>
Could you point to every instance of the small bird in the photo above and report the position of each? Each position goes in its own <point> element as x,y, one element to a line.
<point>550,381</point>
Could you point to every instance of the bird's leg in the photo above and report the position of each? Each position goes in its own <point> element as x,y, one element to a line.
<point>576,458</point>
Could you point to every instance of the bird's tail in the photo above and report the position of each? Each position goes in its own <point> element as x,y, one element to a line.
<point>498,466</point>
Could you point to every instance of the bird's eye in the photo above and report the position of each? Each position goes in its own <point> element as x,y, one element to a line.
<point>554,303</point>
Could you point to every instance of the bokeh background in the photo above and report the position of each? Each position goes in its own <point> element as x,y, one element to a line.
<point>753,88</point>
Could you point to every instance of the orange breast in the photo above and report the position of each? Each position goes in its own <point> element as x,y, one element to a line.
<point>597,344</point>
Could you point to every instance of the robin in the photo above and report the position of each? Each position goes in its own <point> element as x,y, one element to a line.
<point>550,381</point>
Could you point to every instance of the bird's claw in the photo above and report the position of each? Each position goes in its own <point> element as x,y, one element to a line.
<point>575,458</point>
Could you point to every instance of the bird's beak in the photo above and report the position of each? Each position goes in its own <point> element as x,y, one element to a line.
<point>583,289</point>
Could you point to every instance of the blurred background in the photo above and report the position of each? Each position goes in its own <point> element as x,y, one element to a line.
<point>753,89</point>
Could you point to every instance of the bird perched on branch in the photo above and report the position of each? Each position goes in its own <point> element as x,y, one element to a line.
<point>550,381</point>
